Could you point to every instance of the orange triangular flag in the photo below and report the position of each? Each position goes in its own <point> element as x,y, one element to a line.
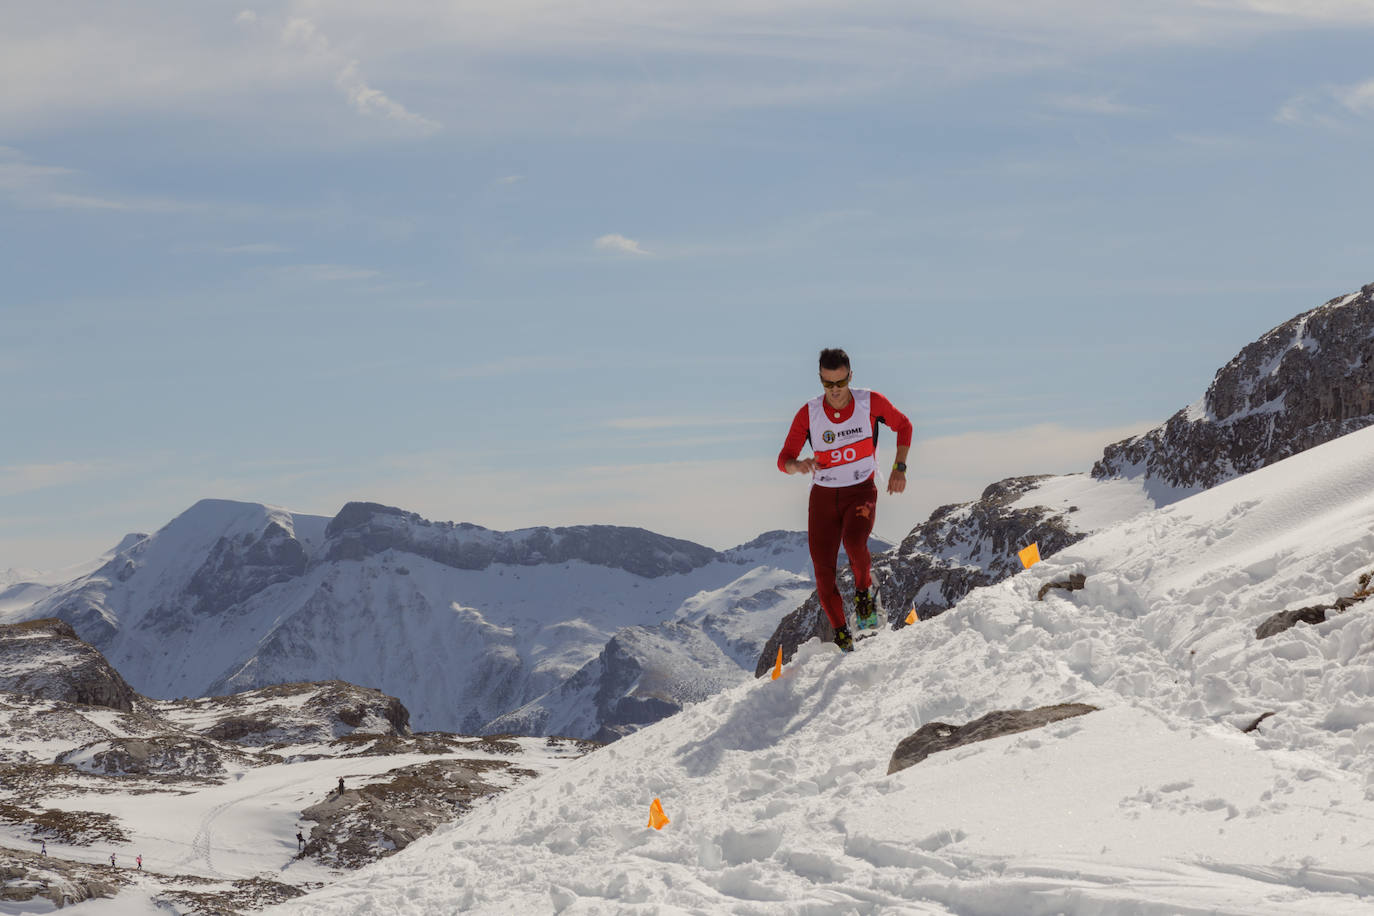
<point>1030,555</point>
<point>777,667</point>
<point>657,819</point>
<point>911,618</point>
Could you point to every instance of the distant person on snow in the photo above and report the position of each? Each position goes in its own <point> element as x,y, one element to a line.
<point>139,860</point>
<point>43,847</point>
<point>300,841</point>
<point>341,788</point>
<point>842,428</point>
<point>112,860</point>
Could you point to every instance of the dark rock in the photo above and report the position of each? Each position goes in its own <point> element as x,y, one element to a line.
<point>169,755</point>
<point>1284,620</point>
<point>1073,583</point>
<point>1308,381</point>
<point>1254,726</point>
<point>45,658</point>
<point>940,736</point>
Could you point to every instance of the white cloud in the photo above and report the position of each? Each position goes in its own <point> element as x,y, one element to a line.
<point>1359,99</point>
<point>362,97</point>
<point>28,184</point>
<point>247,17</point>
<point>619,243</point>
<point>510,179</point>
<point>1330,107</point>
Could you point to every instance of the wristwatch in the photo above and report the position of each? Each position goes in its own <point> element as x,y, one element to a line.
<point>899,466</point>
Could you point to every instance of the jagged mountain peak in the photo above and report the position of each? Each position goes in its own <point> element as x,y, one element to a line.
<point>1305,382</point>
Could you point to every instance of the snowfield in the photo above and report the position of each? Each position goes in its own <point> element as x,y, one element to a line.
<point>1158,803</point>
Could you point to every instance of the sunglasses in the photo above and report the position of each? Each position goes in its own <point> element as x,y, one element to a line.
<point>840,384</point>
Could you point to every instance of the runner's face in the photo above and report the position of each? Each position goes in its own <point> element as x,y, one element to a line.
<point>838,395</point>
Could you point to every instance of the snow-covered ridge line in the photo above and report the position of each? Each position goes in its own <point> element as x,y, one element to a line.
<point>780,801</point>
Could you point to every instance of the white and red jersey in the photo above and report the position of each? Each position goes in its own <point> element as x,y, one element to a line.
<point>845,441</point>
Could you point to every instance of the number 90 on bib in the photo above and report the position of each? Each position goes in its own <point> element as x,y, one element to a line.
<point>847,454</point>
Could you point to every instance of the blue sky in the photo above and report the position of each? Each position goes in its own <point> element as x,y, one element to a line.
<point>530,263</point>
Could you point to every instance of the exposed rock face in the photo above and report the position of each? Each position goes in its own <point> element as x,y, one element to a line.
<point>1306,382</point>
<point>365,529</point>
<point>960,548</point>
<point>172,755</point>
<point>45,658</point>
<point>940,736</point>
<point>241,567</point>
<point>362,825</point>
<point>1075,582</point>
<point>292,713</point>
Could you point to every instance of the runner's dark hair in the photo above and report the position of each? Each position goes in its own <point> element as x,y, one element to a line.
<point>833,358</point>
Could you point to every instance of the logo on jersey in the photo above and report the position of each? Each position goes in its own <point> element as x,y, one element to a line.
<point>828,436</point>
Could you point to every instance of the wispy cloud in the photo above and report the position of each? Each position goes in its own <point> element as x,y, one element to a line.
<point>510,179</point>
<point>1330,106</point>
<point>26,478</point>
<point>362,97</point>
<point>32,185</point>
<point>620,244</point>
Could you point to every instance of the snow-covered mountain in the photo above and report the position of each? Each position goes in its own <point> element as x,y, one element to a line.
<point>1220,773</point>
<point>465,624</point>
<point>1306,382</point>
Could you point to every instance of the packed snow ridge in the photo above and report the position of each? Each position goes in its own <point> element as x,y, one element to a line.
<point>1160,802</point>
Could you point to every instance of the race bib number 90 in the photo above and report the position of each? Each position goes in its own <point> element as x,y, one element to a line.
<point>846,454</point>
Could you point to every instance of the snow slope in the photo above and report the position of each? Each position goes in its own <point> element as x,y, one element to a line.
<point>1156,804</point>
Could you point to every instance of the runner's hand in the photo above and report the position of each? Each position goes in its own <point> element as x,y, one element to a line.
<point>896,482</point>
<point>803,465</point>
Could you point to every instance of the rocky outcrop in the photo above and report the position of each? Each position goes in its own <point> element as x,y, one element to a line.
<point>941,736</point>
<point>1075,582</point>
<point>26,879</point>
<point>959,548</point>
<point>168,755</point>
<point>294,713</point>
<point>1317,613</point>
<point>45,658</point>
<point>380,818</point>
<point>240,567</point>
<point>1308,381</point>
<point>366,529</point>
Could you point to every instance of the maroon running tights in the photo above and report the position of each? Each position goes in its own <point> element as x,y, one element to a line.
<point>840,515</point>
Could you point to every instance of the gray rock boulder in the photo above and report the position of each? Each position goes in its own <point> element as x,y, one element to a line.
<point>941,736</point>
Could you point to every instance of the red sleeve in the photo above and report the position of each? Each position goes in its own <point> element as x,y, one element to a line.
<point>884,411</point>
<point>796,438</point>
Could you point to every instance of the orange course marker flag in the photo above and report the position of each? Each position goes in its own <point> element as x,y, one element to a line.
<point>657,819</point>
<point>777,666</point>
<point>911,618</point>
<point>1030,555</point>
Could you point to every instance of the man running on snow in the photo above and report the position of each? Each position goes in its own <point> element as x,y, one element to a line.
<point>842,427</point>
